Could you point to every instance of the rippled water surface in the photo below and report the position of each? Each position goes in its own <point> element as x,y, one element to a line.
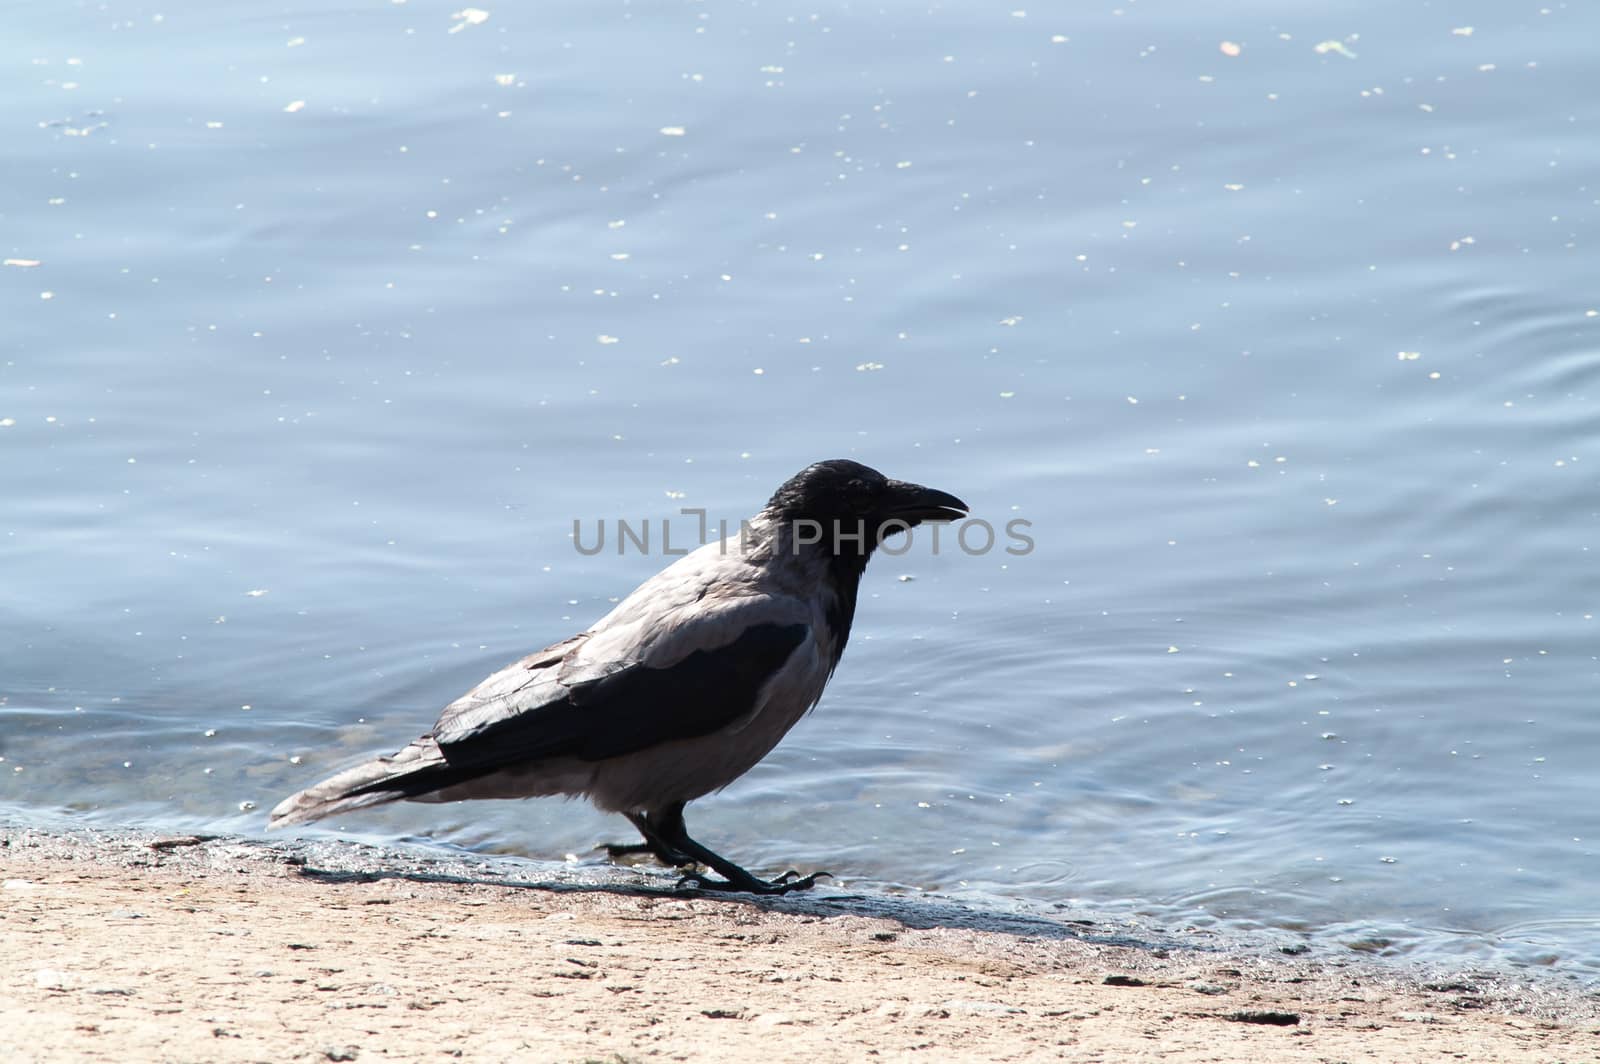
<point>322,328</point>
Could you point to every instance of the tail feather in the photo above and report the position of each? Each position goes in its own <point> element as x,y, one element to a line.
<point>417,770</point>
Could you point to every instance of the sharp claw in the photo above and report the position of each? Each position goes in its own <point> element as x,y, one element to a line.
<point>792,881</point>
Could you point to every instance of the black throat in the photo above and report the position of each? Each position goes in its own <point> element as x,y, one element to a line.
<point>844,572</point>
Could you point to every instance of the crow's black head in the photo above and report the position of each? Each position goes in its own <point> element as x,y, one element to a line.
<point>847,507</point>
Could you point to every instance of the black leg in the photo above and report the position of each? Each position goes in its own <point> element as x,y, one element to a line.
<point>652,843</point>
<point>670,830</point>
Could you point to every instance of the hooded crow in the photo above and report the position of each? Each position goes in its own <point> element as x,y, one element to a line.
<point>677,692</point>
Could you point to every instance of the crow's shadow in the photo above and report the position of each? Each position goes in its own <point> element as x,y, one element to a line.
<point>345,862</point>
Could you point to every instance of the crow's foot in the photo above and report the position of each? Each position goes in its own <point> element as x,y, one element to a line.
<point>666,836</point>
<point>749,884</point>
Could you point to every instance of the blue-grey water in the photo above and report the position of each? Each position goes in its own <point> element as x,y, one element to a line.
<point>1280,327</point>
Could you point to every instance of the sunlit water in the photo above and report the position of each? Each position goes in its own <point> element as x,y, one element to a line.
<point>322,328</point>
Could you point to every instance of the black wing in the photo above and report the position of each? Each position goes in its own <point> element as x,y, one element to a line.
<point>635,707</point>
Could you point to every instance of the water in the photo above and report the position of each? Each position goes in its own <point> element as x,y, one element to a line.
<point>341,318</point>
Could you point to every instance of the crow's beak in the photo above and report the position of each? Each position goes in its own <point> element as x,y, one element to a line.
<point>913,503</point>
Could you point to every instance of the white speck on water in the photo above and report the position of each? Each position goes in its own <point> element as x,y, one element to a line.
<point>246,806</point>
<point>673,131</point>
<point>294,106</point>
<point>256,593</point>
<point>605,339</point>
<point>471,16</point>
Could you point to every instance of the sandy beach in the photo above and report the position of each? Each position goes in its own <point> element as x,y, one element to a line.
<point>120,946</point>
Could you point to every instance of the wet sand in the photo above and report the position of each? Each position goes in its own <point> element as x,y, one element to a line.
<point>119,946</point>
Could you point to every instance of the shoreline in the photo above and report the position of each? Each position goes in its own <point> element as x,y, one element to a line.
<point>133,945</point>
